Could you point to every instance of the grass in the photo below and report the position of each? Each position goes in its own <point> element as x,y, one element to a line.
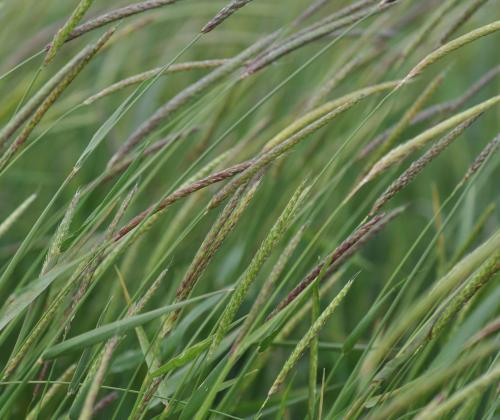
<point>246,209</point>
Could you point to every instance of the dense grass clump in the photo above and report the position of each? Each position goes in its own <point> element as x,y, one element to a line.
<point>249,209</point>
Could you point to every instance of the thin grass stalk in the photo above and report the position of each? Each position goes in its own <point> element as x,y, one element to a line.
<point>431,406</point>
<point>473,235</point>
<point>313,355</point>
<point>463,269</point>
<point>47,317</point>
<point>462,19</point>
<point>104,402</point>
<point>474,388</point>
<point>338,76</point>
<point>88,269</point>
<point>101,263</point>
<point>295,126</point>
<point>116,15</point>
<point>488,150</point>
<point>107,353</point>
<point>150,74</point>
<point>224,14</point>
<point>307,338</point>
<point>213,241</point>
<point>335,260</point>
<point>358,6</point>
<point>436,110</point>
<point>401,152</point>
<point>266,289</point>
<point>295,42</point>
<point>34,102</point>
<point>63,33</point>
<point>126,162</point>
<point>267,246</point>
<point>477,282</point>
<point>490,329</point>
<point>187,95</point>
<point>90,52</point>
<point>414,390</point>
<point>450,47</point>
<point>405,120</point>
<point>311,10</point>
<point>325,286</point>
<point>181,193</point>
<point>60,235</point>
<point>16,214</point>
<point>438,223</point>
<point>284,141</point>
<point>418,165</point>
<point>435,326</point>
<point>51,393</point>
<point>426,29</point>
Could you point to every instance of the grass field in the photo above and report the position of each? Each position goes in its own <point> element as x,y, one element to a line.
<point>244,209</point>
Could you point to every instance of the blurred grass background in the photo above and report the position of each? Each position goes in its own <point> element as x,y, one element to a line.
<point>153,39</point>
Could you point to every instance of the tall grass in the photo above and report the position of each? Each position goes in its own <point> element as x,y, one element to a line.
<point>248,209</point>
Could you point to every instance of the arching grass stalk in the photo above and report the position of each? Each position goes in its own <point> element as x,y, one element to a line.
<point>213,241</point>
<point>405,120</point>
<point>418,165</point>
<point>65,31</point>
<point>90,52</point>
<point>450,47</point>
<point>441,288</point>
<point>224,13</point>
<point>344,251</point>
<point>472,8</point>
<point>116,15</point>
<point>147,75</point>
<point>295,134</point>
<point>307,36</point>
<point>438,110</point>
<point>401,152</point>
<point>188,94</point>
